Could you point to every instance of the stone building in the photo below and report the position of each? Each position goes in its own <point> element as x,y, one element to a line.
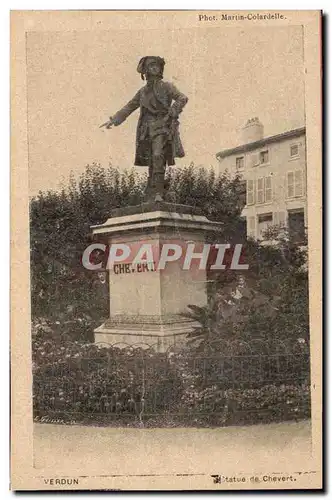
<point>274,172</point>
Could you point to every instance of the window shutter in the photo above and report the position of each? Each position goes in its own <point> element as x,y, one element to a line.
<point>268,189</point>
<point>260,190</point>
<point>251,226</point>
<point>250,192</point>
<point>290,185</point>
<point>298,189</point>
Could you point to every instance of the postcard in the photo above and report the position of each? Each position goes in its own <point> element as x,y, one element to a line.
<point>166,228</point>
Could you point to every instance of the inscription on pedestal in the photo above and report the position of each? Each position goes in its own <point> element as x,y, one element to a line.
<point>133,268</point>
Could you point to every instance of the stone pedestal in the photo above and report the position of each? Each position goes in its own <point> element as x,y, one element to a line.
<point>147,305</point>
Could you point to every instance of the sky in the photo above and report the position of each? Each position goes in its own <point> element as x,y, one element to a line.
<point>76,80</point>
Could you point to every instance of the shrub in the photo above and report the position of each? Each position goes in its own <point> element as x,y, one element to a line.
<point>270,403</point>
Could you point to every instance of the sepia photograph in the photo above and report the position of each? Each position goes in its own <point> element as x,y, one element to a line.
<point>166,194</point>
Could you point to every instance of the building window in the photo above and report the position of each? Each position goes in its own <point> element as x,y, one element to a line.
<point>260,190</point>
<point>264,157</point>
<point>295,184</point>
<point>251,227</point>
<point>250,192</point>
<point>264,222</point>
<point>240,162</point>
<point>294,150</point>
<point>296,226</point>
<point>268,189</point>
<point>264,189</point>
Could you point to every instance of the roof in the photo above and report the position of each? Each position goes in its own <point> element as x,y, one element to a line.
<point>261,142</point>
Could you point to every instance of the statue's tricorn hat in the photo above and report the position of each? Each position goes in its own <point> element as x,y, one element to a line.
<point>141,68</point>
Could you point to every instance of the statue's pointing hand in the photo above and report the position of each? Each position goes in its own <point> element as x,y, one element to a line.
<point>109,124</point>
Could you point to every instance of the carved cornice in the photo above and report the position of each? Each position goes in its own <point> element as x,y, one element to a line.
<point>143,319</point>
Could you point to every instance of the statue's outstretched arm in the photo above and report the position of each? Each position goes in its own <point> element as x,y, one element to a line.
<point>124,112</point>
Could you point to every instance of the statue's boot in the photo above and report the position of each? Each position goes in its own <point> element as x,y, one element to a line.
<point>156,182</point>
<point>149,192</point>
<point>159,187</point>
<point>158,179</point>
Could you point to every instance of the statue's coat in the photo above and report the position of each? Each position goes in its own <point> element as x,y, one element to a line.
<point>169,100</point>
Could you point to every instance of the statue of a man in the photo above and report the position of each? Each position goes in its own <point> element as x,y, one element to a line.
<point>157,138</point>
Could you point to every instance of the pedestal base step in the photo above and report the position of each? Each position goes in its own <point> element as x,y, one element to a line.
<point>160,333</point>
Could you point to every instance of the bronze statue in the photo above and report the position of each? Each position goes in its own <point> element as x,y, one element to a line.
<point>157,138</point>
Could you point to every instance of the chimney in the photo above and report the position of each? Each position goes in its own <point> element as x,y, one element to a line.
<point>252,131</point>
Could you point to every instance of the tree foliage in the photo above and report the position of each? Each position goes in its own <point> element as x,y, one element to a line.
<point>268,302</point>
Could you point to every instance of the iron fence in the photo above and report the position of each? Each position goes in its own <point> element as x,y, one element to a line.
<point>246,383</point>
